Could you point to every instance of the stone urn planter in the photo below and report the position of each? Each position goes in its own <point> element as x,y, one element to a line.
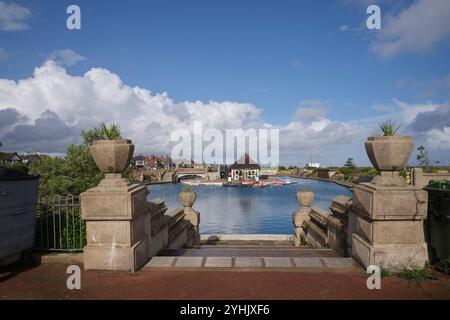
<point>389,153</point>
<point>112,156</point>
<point>187,198</point>
<point>305,198</point>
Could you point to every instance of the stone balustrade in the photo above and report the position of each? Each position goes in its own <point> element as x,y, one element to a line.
<point>338,225</point>
<point>421,179</point>
<point>124,229</point>
<point>317,228</point>
<point>178,229</point>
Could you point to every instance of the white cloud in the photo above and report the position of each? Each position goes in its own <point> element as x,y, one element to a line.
<point>418,28</point>
<point>47,111</point>
<point>13,17</point>
<point>66,57</point>
<point>439,139</point>
<point>310,110</point>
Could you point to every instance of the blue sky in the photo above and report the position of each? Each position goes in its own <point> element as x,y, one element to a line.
<point>278,56</point>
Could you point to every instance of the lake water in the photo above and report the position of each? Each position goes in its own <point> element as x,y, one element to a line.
<point>249,210</point>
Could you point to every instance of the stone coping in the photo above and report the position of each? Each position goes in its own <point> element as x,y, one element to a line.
<point>246,237</point>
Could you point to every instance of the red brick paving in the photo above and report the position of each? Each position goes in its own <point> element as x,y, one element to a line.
<point>49,282</point>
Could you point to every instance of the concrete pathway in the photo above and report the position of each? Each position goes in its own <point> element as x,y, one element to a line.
<point>48,281</point>
<point>265,257</point>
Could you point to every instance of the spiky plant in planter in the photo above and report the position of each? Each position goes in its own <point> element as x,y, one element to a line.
<point>389,128</point>
<point>110,133</point>
<point>389,153</point>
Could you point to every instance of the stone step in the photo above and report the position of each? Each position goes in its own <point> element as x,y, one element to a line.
<point>250,251</point>
<point>283,263</point>
<point>259,243</point>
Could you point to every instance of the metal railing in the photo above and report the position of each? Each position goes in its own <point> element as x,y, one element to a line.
<point>59,226</point>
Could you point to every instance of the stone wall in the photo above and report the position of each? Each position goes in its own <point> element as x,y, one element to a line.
<point>420,179</point>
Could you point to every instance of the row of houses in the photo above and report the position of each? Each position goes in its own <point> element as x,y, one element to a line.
<point>11,158</point>
<point>243,169</point>
<point>153,162</point>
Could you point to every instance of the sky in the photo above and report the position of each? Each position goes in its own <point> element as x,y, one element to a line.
<point>310,69</point>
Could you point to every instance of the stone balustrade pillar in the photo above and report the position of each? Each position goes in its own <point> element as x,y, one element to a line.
<point>118,225</point>
<point>301,216</point>
<point>192,217</point>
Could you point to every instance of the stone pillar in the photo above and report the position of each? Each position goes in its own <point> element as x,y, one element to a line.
<point>117,225</point>
<point>301,216</point>
<point>388,224</point>
<point>192,217</point>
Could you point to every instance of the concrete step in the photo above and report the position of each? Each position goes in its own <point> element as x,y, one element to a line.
<point>248,262</point>
<point>258,243</point>
<point>248,251</point>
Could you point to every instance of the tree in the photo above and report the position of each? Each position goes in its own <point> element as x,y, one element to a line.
<point>422,156</point>
<point>73,174</point>
<point>350,164</point>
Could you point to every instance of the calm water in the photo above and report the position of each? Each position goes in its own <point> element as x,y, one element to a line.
<point>249,210</point>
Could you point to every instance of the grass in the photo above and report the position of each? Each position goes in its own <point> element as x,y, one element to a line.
<point>415,274</point>
<point>389,128</point>
<point>384,273</point>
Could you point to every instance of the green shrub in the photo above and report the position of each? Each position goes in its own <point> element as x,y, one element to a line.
<point>384,273</point>
<point>187,188</point>
<point>60,228</point>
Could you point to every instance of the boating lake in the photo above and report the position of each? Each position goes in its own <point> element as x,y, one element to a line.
<point>234,210</point>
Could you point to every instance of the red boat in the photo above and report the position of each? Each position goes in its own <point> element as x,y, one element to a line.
<point>258,185</point>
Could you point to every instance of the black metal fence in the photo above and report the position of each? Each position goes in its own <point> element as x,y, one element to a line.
<point>59,226</point>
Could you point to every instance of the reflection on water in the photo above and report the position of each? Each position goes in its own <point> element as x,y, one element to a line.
<point>249,210</point>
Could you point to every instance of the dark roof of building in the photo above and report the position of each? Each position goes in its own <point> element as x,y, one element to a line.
<point>139,158</point>
<point>6,156</point>
<point>245,162</point>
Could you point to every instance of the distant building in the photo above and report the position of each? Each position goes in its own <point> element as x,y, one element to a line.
<point>138,162</point>
<point>28,158</point>
<point>326,173</point>
<point>158,162</point>
<point>313,165</point>
<point>10,158</point>
<point>244,169</point>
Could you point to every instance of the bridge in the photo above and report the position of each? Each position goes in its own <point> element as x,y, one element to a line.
<point>189,172</point>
